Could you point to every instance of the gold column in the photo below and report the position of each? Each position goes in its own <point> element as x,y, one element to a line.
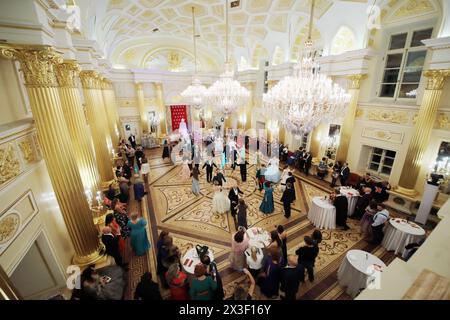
<point>99,128</point>
<point>110,105</point>
<point>424,126</point>
<point>67,74</point>
<point>141,106</point>
<point>37,65</point>
<point>115,109</point>
<point>7,289</point>
<point>349,120</point>
<point>161,107</point>
<point>248,111</point>
<point>315,145</point>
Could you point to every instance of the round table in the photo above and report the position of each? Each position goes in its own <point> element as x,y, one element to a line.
<point>398,233</point>
<point>256,236</point>
<point>358,269</point>
<point>322,213</point>
<point>352,197</point>
<point>191,255</point>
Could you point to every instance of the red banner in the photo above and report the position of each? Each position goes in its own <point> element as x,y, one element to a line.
<point>178,112</point>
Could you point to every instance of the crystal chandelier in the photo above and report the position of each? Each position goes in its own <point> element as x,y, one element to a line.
<point>195,93</point>
<point>227,94</point>
<point>307,98</point>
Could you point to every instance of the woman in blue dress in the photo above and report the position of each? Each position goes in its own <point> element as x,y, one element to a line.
<point>139,240</point>
<point>267,205</point>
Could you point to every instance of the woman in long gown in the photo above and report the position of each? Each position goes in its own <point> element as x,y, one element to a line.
<point>267,205</point>
<point>185,171</point>
<point>195,181</point>
<point>220,201</point>
<point>239,243</point>
<point>269,282</point>
<point>139,240</point>
<point>242,214</point>
<point>166,151</point>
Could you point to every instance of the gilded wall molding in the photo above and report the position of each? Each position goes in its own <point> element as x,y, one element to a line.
<point>384,135</point>
<point>442,121</point>
<point>9,163</point>
<point>17,154</point>
<point>392,116</point>
<point>16,217</point>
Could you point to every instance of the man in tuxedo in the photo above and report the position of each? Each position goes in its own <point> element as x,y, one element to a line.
<point>290,279</point>
<point>287,198</point>
<point>308,162</point>
<point>233,195</point>
<point>219,178</point>
<point>300,159</point>
<point>132,139</point>
<point>209,164</point>
<point>111,243</point>
<point>341,205</point>
<point>345,174</point>
<point>291,180</point>
<point>362,203</point>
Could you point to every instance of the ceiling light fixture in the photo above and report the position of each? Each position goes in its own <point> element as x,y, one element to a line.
<point>307,98</point>
<point>195,93</point>
<point>227,94</point>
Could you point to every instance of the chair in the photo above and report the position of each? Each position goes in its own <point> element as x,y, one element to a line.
<point>354,178</point>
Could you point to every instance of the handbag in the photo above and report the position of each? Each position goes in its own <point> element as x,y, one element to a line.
<point>201,251</point>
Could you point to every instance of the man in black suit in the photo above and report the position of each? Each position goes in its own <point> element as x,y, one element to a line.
<point>290,279</point>
<point>243,169</point>
<point>341,205</point>
<point>209,164</point>
<point>132,139</point>
<point>345,174</point>
<point>306,257</point>
<point>291,180</point>
<point>308,162</point>
<point>111,243</point>
<point>362,203</point>
<point>233,195</point>
<point>219,178</point>
<point>300,159</point>
<point>287,198</point>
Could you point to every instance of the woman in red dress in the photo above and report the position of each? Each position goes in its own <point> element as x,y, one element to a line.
<point>178,284</point>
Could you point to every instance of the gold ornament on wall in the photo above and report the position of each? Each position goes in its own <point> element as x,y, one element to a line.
<point>8,227</point>
<point>27,150</point>
<point>9,164</point>
<point>442,121</point>
<point>400,117</point>
<point>174,60</point>
<point>359,113</point>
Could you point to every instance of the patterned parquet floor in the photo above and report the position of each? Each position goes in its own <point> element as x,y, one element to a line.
<point>171,206</point>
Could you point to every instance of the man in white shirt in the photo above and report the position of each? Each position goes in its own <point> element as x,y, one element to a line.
<point>378,223</point>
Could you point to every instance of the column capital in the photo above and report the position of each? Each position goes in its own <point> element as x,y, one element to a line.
<point>138,86</point>
<point>90,79</point>
<point>436,78</point>
<point>37,63</point>
<point>158,85</point>
<point>67,73</point>
<point>355,80</point>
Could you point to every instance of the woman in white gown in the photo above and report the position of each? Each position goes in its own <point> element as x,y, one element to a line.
<point>220,201</point>
<point>185,171</point>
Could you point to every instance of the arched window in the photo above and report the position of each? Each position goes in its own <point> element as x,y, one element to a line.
<point>344,40</point>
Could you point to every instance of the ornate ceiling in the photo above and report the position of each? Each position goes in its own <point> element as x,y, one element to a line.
<point>260,30</point>
<point>256,27</point>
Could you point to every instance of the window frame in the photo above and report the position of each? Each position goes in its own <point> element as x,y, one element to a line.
<point>381,164</point>
<point>405,52</point>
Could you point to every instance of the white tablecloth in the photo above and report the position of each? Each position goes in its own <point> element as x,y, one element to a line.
<point>357,269</point>
<point>191,255</point>
<point>322,213</point>
<point>398,233</point>
<point>352,197</point>
<point>256,235</point>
